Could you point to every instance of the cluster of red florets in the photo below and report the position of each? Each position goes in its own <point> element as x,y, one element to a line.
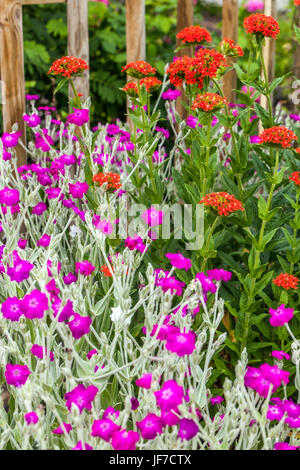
<point>223,202</point>
<point>111,179</point>
<point>261,25</point>
<point>107,271</point>
<point>229,48</point>
<point>297,3</point>
<point>295,177</point>
<point>194,35</point>
<point>68,66</point>
<point>193,70</point>
<point>139,69</point>
<point>287,281</point>
<point>278,136</point>
<point>151,84</point>
<point>209,102</point>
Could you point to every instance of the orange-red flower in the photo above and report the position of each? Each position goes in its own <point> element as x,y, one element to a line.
<point>286,281</point>
<point>223,202</point>
<point>194,35</point>
<point>277,136</point>
<point>230,49</point>
<point>297,3</point>
<point>111,179</point>
<point>68,66</point>
<point>261,25</point>
<point>209,61</point>
<point>151,84</point>
<point>209,102</point>
<point>139,69</point>
<point>107,271</point>
<point>295,177</point>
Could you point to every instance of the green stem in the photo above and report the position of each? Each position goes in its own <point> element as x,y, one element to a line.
<point>257,256</point>
<point>210,233</point>
<point>295,231</point>
<point>207,154</point>
<point>266,82</point>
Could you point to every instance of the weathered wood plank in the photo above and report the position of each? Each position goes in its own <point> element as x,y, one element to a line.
<point>40,2</point>
<point>12,69</point>
<point>230,31</point>
<point>185,17</point>
<point>78,40</point>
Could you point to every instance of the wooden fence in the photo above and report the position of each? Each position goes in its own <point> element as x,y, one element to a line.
<point>12,57</point>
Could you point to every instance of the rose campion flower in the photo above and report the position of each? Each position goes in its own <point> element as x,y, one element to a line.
<point>284,446</point>
<point>32,120</point>
<point>219,275</point>
<point>78,189</point>
<point>179,261</point>
<point>111,413</point>
<point>31,418</point>
<point>9,197</point>
<point>81,396</point>
<point>44,141</point>
<point>104,428</point>
<point>206,283</point>
<point>150,426</point>
<point>59,430</point>
<point>216,400</point>
<point>11,140</point>
<point>79,326</point>
<point>152,217</point>
<point>274,413</point>
<point>39,208</point>
<point>70,278</point>
<point>181,343</point>
<point>124,440</point>
<point>85,268</point>
<point>281,315</point>
<point>80,446</point>
<point>171,94</point>
<point>44,241</point>
<point>79,117</point>
<point>16,375</point>
<point>41,352</point>
<point>171,417</point>
<point>254,5</point>
<point>187,429</point>
<point>22,243</point>
<point>11,309</point>
<point>135,243</point>
<point>169,396</point>
<point>144,381</point>
<point>20,270</point>
<point>34,304</point>
<point>280,355</point>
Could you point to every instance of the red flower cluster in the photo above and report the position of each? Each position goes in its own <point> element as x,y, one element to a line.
<point>230,49</point>
<point>106,271</point>
<point>287,281</point>
<point>68,66</point>
<point>193,70</point>
<point>194,35</point>
<point>297,3</point>
<point>261,25</point>
<point>111,179</point>
<point>209,102</point>
<point>151,84</point>
<point>139,69</point>
<point>295,177</point>
<point>278,136</point>
<point>224,203</point>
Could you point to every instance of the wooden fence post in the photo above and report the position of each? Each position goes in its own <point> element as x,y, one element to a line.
<point>185,18</point>
<point>135,36</point>
<point>12,69</point>
<point>78,40</point>
<point>230,30</point>
<point>269,51</point>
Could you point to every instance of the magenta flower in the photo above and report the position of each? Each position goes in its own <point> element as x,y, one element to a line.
<point>280,355</point>
<point>144,381</point>
<point>216,400</point>
<point>11,140</point>
<point>32,97</point>
<point>275,413</point>
<point>41,352</point>
<point>54,193</point>
<point>79,117</point>
<point>9,197</point>
<point>70,278</point>
<point>65,313</point>
<point>79,446</point>
<point>169,396</point>
<point>293,422</point>
<point>291,408</point>
<point>44,141</point>
<point>31,418</point>
<point>206,283</point>
<point>111,413</point>
<point>91,353</point>
<point>219,275</point>
<point>20,271</point>
<point>181,343</point>
<point>44,240</point>
<point>134,403</point>
<point>187,429</point>
<point>82,397</point>
<point>78,189</point>
<point>169,418</point>
<point>85,268</point>
<point>284,446</point>
<point>124,440</point>
<point>32,120</point>
<point>104,428</point>
<point>135,243</point>
<point>59,430</point>
<point>16,375</point>
<point>152,217</point>
<point>164,131</point>
<point>150,426</point>
<point>254,5</point>
<point>171,94</point>
<point>40,208</point>
<point>281,315</point>
<point>192,122</point>
<point>12,308</point>
<point>79,326</point>
<point>22,243</point>
<point>179,261</point>
<point>34,304</point>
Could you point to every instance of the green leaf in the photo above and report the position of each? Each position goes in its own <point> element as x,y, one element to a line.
<point>61,84</point>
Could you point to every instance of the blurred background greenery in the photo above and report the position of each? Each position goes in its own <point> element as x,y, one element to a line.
<point>45,39</point>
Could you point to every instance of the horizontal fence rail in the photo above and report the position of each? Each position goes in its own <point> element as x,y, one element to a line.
<point>12,54</point>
